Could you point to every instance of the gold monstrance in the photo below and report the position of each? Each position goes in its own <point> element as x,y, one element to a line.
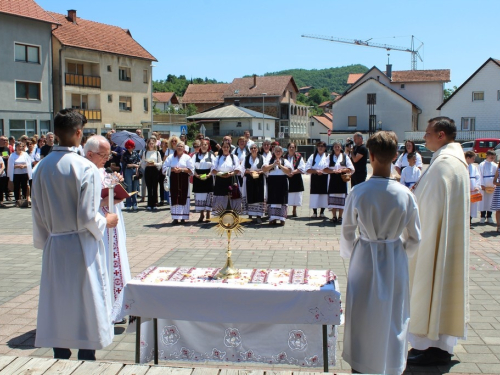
<point>228,220</point>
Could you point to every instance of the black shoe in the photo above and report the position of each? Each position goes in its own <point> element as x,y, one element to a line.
<point>428,357</point>
<point>175,222</point>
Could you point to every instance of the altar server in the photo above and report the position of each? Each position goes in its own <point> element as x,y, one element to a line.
<point>97,150</point>
<point>277,186</point>
<point>75,300</point>
<point>203,181</point>
<point>487,169</point>
<point>319,180</point>
<point>475,183</point>
<point>439,272</point>
<point>295,182</point>
<point>181,167</point>
<point>377,300</point>
<point>410,174</point>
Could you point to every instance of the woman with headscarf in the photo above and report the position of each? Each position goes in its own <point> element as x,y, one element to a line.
<point>226,169</point>
<point>130,166</point>
<point>253,185</point>
<point>19,171</point>
<point>339,163</point>
<point>151,163</point>
<point>203,181</point>
<point>319,180</point>
<point>295,182</point>
<point>181,167</point>
<point>278,170</point>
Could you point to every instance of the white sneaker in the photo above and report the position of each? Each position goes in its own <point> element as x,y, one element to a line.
<point>322,216</point>
<point>155,208</point>
<point>127,208</point>
<point>482,220</point>
<point>490,220</point>
<point>135,208</point>
<point>148,208</point>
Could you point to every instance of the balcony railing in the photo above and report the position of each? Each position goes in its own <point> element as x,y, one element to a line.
<point>91,114</point>
<point>462,135</point>
<point>83,81</point>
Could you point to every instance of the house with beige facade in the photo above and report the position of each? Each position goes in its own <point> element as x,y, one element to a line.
<point>102,71</point>
<point>25,68</point>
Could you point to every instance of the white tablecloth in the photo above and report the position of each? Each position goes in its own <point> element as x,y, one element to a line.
<point>269,316</point>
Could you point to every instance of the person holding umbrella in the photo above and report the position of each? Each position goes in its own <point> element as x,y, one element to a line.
<point>130,166</point>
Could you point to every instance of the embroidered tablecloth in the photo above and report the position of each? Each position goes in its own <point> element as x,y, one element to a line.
<point>273,316</point>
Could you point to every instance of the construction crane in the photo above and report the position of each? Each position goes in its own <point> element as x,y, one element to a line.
<point>414,52</point>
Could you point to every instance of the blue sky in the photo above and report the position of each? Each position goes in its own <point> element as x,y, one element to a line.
<point>227,39</point>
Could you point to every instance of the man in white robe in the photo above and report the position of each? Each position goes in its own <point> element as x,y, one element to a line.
<point>97,150</point>
<point>74,304</point>
<point>439,277</point>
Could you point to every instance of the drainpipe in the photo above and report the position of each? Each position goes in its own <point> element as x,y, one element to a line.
<point>51,82</point>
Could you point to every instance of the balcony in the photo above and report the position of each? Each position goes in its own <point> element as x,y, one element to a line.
<point>82,80</point>
<point>462,135</point>
<point>91,114</point>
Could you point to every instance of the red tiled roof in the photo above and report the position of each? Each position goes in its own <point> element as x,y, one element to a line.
<point>98,37</point>
<point>165,97</point>
<point>353,77</point>
<point>325,121</point>
<point>325,103</point>
<point>334,93</point>
<point>436,75</point>
<point>210,93</point>
<point>271,85</point>
<point>26,9</point>
<point>329,115</point>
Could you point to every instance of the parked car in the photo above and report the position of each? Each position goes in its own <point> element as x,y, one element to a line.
<point>424,152</point>
<point>481,145</point>
<point>467,146</point>
<point>497,151</point>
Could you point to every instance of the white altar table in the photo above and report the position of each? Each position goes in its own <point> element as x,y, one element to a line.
<point>266,315</point>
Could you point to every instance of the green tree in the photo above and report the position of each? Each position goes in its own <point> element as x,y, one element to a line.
<point>448,92</point>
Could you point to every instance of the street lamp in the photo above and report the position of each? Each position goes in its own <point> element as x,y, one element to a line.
<point>263,125</point>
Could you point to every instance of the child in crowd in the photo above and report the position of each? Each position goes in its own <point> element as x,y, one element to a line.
<point>377,299</point>
<point>411,174</point>
<point>474,176</point>
<point>487,170</point>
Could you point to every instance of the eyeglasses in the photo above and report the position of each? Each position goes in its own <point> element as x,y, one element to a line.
<point>105,156</point>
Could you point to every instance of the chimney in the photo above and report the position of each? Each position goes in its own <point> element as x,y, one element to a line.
<point>388,71</point>
<point>254,80</point>
<point>72,15</point>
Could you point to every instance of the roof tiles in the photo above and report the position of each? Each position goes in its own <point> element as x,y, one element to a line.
<point>165,97</point>
<point>26,9</point>
<point>98,36</point>
<point>200,93</point>
<point>436,75</point>
<point>324,121</point>
<point>271,85</point>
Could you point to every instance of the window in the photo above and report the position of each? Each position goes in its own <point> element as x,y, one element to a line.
<point>498,95</point>
<point>479,95</point>
<point>352,120</point>
<point>260,126</point>
<point>145,76</point>
<point>238,125</point>
<point>146,104</point>
<point>27,90</point>
<point>124,74</point>
<point>216,128</point>
<point>402,86</point>
<point>17,128</point>
<point>125,103</point>
<point>468,123</point>
<point>110,98</point>
<point>109,68</point>
<point>44,126</point>
<point>1,127</point>
<point>312,123</point>
<point>267,126</point>
<point>25,53</point>
<point>75,69</point>
<point>487,144</point>
<point>371,98</point>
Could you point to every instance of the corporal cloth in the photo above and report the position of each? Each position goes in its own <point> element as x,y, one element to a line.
<point>75,301</point>
<point>439,272</point>
<point>377,300</point>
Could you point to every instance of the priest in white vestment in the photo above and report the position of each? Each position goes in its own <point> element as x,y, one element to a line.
<point>75,301</point>
<point>439,272</point>
<point>97,150</point>
<point>377,309</point>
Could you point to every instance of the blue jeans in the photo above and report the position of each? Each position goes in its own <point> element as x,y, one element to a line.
<point>132,185</point>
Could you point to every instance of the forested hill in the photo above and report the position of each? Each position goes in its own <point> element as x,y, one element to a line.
<point>334,79</point>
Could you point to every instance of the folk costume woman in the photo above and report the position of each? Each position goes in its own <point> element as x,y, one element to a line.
<point>265,151</point>
<point>226,168</point>
<point>203,180</point>
<point>277,186</point>
<point>339,163</point>
<point>172,144</point>
<point>181,167</point>
<point>253,189</point>
<point>295,182</point>
<point>319,180</point>
<point>402,161</point>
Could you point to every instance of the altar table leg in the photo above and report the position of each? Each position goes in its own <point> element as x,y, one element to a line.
<point>138,340</point>
<point>155,324</point>
<point>325,349</point>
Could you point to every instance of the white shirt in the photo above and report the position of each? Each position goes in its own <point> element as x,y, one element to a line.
<point>183,162</point>
<point>151,155</point>
<point>410,175</point>
<point>206,161</point>
<point>16,159</point>
<point>277,171</point>
<point>487,170</point>
<point>338,159</point>
<point>403,160</point>
<point>321,162</point>
<point>302,165</point>
<point>231,163</point>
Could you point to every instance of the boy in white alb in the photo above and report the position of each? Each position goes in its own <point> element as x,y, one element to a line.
<point>377,308</point>
<point>411,174</point>
<point>487,170</point>
<point>475,178</point>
